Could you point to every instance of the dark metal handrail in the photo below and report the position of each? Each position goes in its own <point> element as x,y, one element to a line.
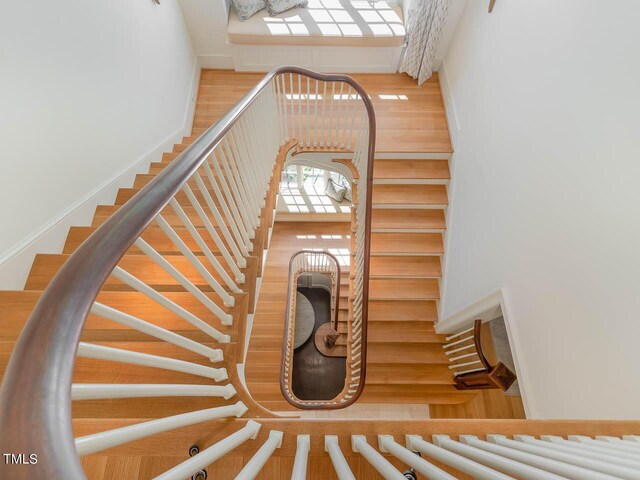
<point>35,397</point>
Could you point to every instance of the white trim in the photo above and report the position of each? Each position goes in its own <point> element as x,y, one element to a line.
<point>486,309</point>
<point>16,262</point>
<point>224,62</point>
<point>454,132</point>
<point>327,59</point>
<point>411,156</point>
<point>192,98</point>
<point>449,104</point>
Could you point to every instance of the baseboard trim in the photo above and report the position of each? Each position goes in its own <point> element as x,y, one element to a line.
<point>224,62</point>
<point>449,103</point>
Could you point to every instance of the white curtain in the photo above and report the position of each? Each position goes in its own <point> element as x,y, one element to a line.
<point>426,20</point>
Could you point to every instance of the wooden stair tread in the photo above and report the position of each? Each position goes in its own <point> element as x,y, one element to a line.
<point>409,194</point>
<point>405,266</point>
<point>45,266</point>
<point>18,305</point>
<point>407,243</point>
<point>409,374</point>
<point>407,219</point>
<point>406,353</point>
<point>400,310</point>
<point>415,332</point>
<point>154,236</point>
<point>404,288</point>
<point>441,394</point>
<point>411,169</point>
<point>103,212</point>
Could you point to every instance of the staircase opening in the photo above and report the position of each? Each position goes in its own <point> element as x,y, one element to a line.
<point>314,374</point>
<point>314,351</point>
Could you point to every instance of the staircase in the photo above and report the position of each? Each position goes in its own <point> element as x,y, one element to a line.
<point>159,290</point>
<point>406,363</point>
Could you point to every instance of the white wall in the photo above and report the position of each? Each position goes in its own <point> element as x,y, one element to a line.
<point>546,193</point>
<point>207,22</point>
<point>450,26</point>
<point>90,92</point>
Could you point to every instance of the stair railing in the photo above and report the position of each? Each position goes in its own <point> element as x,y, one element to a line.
<point>212,193</point>
<point>471,368</point>
<point>302,262</point>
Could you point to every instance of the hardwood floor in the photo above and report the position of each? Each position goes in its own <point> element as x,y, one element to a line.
<point>410,118</point>
<point>406,362</point>
<point>262,368</point>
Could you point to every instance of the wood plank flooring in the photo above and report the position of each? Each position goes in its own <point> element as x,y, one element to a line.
<point>410,118</point>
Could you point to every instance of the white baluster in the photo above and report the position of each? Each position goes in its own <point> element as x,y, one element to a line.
<point>227,299</point>
<point>543,463</point>
<point>303,446</point>
<point>308,117</point>
<point>521,443</point>
<point>597,452</point>
<point>145,289</point>
<point>100,352</point>
<point>253,467</point>
<point>359,444</point>
<point>340,464</point>
<point>155,331</point>
<point>506,465</point>
<point>630,452</point>
<point>203,245</point>
<point>208,456</point>
<point>336,138</point>
<point>111,438</point>
<point>476,470</point>
<point>387,444</point>
<point>99,391</point>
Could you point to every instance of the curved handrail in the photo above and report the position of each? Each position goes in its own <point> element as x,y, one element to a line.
<point>35,397</point>
<point>287,348</point>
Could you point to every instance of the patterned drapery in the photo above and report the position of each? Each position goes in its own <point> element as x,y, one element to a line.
<point>426,20</point>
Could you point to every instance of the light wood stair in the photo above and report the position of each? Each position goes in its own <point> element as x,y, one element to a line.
<point>405,359</point>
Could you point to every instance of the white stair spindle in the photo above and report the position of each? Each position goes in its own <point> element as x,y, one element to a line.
<point>519,443</point>
<point>193,260</point>
<point>387,444</point>
<point>300,130</point>
<point>225,318</point>
<point>506,465</point>
<point>145,289</point>
<point>543,463</point>
<point>620,449</point>
<point>228,205</point>
<point>232,194</point>
<point>184,218</point>
<point>98,391</point>
<point>303,446</point>
<point>155,331</point>
<point>237,185</point>
<point>336,137</point>
<point>101,441</point>
<point>340,464</point>
<point>208,456</point>
<point>253,467</point>
<point>100,352</point>
<point>476,470</point>
<point>389,472</point>
<point>626,445</point>
<point>574,448</point>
